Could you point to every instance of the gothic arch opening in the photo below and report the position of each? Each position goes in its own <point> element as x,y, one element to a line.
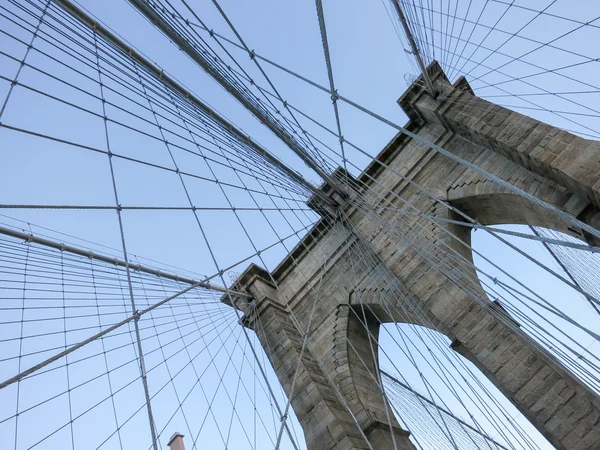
<point>442,398</point>
<point>557,316</point>
<point>536,267</point>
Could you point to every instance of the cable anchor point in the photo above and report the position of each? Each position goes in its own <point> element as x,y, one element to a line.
<point>334,96</point>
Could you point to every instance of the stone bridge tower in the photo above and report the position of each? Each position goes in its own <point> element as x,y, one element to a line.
<point>359,273</point>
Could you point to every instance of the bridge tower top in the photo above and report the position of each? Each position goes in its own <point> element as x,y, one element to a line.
<point>397,252</point>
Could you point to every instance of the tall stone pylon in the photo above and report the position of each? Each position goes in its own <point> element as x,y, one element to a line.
<point>379,265</point>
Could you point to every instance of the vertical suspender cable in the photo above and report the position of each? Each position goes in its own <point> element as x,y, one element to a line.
<point>149,11</point>
<point>134,310</point>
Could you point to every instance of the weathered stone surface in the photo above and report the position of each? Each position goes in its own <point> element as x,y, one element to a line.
<point>347,291</point>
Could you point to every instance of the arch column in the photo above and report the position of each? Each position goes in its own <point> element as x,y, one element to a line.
<point>552,165</point>
<point>334,393</point>
<point>562,409</point>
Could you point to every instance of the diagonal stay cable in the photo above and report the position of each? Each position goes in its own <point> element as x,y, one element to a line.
<point>587,59</point>
<point>477,269</point>
<point>455,158</point>
<point>537,106</point>
<point>130,318</point>
<point>556,16</point>
<point>125,257</point>
<point>13,82</point>
<point>149,208</point>
<point>260,68</point>
<point>117,79</point>
<point>125,48</point>
<point>325,42</point>
<point>513,35</point>
<point>250,103</point>
<point>557,71</point>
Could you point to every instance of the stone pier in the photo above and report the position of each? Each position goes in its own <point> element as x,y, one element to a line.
<point>335,394</point>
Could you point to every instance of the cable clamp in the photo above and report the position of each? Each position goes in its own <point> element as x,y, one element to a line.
<point>252,54</point>
<point>119,208</point>
<point>334,96</point>
<point>285,104</point>
<point>342,140</point>
<point>211,32</point>
<point>62,247</point>
<point>137,314</point>
<point>283,418</point>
